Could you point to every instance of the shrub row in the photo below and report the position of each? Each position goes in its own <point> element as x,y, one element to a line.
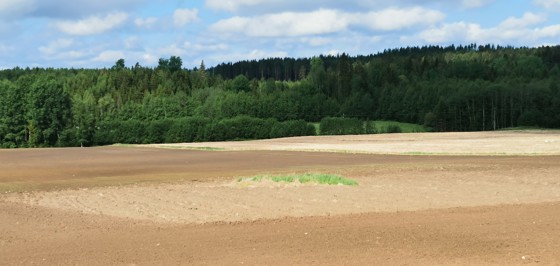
<point>197,129</point>
<point>353,126</point>
<point>341,126</point>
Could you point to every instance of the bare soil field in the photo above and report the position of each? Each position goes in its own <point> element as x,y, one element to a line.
<point>145,205</point>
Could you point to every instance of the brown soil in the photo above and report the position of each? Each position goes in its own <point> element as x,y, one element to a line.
<point>117,205</point>
<point>501,235</point>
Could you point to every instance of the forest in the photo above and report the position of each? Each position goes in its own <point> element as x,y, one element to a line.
<point>453,88</point>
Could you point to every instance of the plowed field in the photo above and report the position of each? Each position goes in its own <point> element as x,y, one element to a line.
<point>147,205</point>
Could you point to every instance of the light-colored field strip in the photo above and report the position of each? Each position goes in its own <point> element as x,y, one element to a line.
<point>536,142</point>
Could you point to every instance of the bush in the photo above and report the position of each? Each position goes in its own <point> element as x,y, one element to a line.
<point>430,119</point>
<point>107,132</point>
<point>310,130</point>
<point>241,127</point>
<point>530,119</point>
<point>69,138</point>
<point>195,129</point>
<point>393,129</point>
<point>370,127</point>
<point>102,135</point>
<point>130,131</point>
<point>292,128</point>
<point>190,129</point>
<point>341,126</point>
<point>157,130</point>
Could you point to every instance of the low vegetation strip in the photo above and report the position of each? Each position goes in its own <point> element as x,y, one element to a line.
<point>323,179</point>
<point>353,126</point>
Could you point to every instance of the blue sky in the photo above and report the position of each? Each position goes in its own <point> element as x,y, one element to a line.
<point>96,33</point>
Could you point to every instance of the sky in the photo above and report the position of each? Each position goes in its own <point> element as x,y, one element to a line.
<point>96,33</point>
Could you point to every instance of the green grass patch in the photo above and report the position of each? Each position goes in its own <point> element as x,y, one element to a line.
<point>317,127</point>
<point>323,179</point>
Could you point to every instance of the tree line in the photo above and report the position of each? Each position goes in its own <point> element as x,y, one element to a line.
<point>454,88</point>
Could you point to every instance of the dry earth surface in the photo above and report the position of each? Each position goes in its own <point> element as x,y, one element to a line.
<point>144,205</point>
<point>536,142</point>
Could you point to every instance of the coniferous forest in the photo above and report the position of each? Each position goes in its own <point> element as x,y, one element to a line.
<point>454,88</point>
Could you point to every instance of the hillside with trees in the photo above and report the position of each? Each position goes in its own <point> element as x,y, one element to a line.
<point>454,88</point>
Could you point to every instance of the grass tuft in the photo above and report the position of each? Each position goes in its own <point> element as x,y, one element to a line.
<point>323,179</point>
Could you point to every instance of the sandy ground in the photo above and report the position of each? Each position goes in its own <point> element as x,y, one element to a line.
<point>469,143</point>
<point>380,189</point>
<point>137,206</point>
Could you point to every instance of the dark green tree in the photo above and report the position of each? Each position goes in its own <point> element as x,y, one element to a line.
<point>240,83</point>
<point>344,77</point>
<point>119,64</point>
<point>84,113</point>
<point>175,63</point>
<point>12,115</point>
<point>48,112</point>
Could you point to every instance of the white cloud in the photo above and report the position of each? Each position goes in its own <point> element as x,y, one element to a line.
<point>63,9</point>
<point>146,23</point>
<point>197,47</point>
<point>375,39</point>
<point>548,32</point>
<point>186,51</point>
<point>259,54</point>
<point>550,4</point>
<point>268,6</point>
<point>149,59</point>
<point>325,21</point>
<point>5,27</point>
<point>475,3</point>
<point>60,50</point>
<point>109,56</point>
<point>332,52</point>
<point>182,17</point>
<point>316,41</point>
<point>67,55</point>
<point>75,9</point>
<point>92,25</point>
<point>449,32</point>
<point>172,50</point>
<point>395,19</point>
<point>528,19</point>
<point>131,42</point>
<point>284,24</point>
<point>255,54</point>
<point>5,49</point>
<point>54,46</point>
<point>510,30</point>
<point>10,8</point>
<point>232,5</point>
